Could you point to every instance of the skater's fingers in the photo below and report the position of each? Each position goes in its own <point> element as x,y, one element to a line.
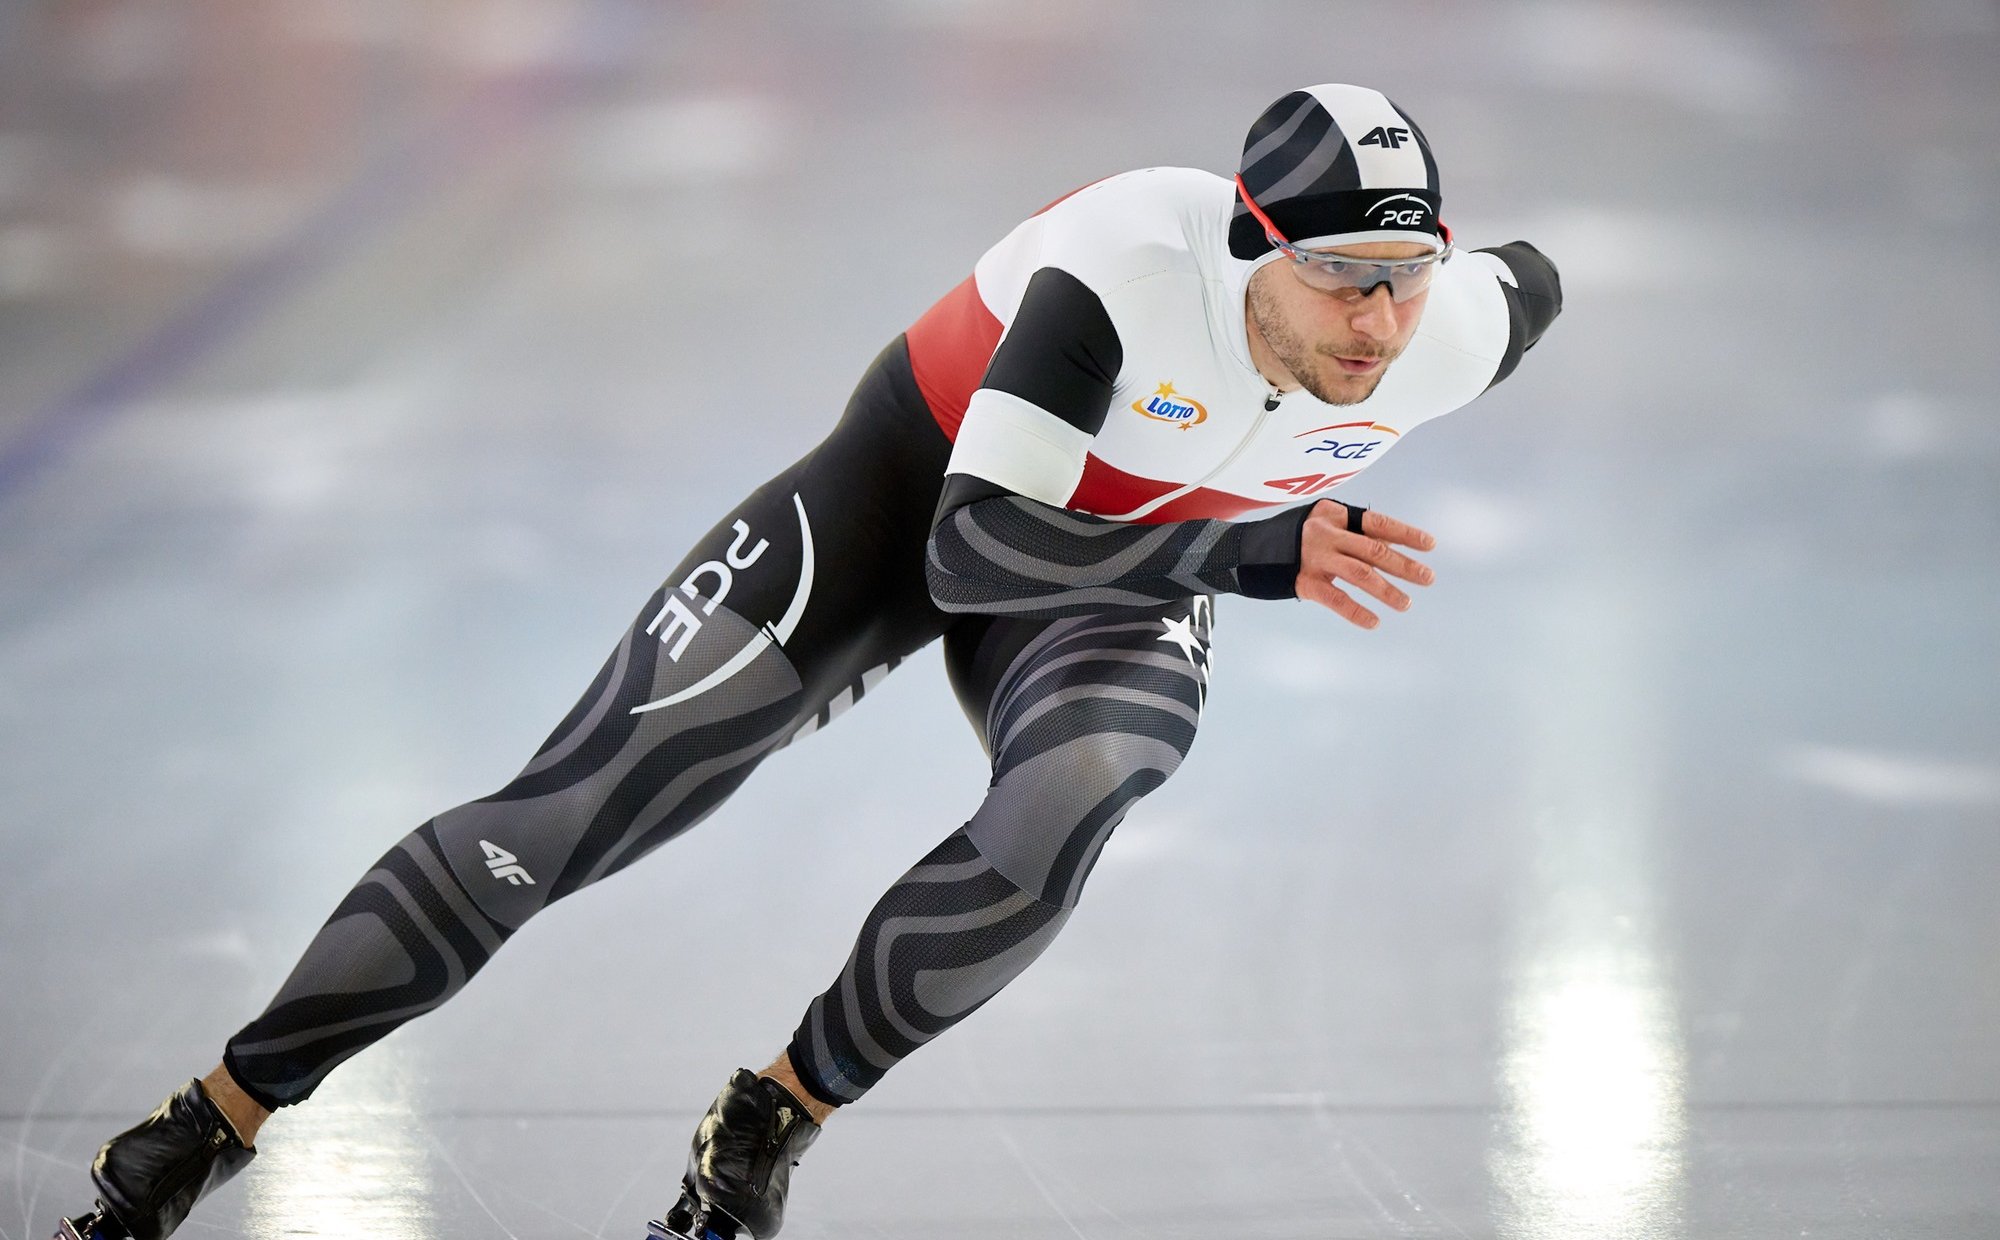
<point>1331,597</point>
<point>1390,530</point>
<point>1356,573</point>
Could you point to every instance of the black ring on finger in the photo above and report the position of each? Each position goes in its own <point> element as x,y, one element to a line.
<point>1354,514</point>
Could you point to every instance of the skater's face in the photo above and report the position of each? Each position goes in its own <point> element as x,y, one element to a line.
<point>1336,344</point>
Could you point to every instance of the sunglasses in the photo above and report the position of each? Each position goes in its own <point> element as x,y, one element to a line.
<point>1353,278</point>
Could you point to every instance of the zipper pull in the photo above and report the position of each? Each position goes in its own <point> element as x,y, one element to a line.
<point>1271,401</point>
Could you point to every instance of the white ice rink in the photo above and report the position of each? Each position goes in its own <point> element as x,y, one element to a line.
<point>364,366</point>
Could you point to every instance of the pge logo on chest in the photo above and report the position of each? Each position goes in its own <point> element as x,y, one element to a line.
<point>1360,439</point>
<point>1167,405</point>
<point>1353,450</point>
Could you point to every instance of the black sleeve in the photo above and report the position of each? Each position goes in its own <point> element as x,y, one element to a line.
<point>1533,300</point>
<point>1003,554</point>
<point>1061,353</point>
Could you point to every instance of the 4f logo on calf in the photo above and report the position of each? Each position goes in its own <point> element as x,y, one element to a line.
<point>505,865</point>
<point>680,620</point>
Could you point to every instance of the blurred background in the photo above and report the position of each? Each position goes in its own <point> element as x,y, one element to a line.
<point>364,366</point>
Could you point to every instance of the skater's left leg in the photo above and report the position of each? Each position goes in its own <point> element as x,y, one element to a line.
<point>1082,717</point>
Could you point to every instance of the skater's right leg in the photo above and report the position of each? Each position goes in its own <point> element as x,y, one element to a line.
<point>646,754</point>
<point>780,618</point>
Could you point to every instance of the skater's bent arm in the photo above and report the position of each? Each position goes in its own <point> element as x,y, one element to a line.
<point>1002,553</point>
<point>1004,543</point>
<point>1008,555</point>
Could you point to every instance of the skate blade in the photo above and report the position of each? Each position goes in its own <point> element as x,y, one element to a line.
<point>656,1230</point>
<point>88,1227</point>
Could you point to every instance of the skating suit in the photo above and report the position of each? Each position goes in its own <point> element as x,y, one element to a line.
<point>1054,470</point>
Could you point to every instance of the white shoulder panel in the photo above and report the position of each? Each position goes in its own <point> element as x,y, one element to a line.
<point>1121,229</point>
<point>1458,346</point>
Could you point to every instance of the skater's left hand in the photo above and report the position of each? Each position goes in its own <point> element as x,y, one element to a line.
<point>1329,552</point>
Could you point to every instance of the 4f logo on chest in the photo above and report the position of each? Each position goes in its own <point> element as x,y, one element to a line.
<point>1379,136</point>
<point>1310,484</point>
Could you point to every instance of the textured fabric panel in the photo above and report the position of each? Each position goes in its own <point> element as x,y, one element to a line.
<point>1012,556</point>
<point>1080,728</point>
<point>1083,717</point>
<point>426,918</point>
<point>395,948</point>
<point>929,954</point>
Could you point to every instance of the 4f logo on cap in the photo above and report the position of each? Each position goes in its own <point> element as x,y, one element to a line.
<point>1391,138</point>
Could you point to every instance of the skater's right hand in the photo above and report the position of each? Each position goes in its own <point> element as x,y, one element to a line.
<point>1330,552</point>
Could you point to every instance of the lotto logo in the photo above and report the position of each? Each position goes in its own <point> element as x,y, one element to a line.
<point>1167,405</point>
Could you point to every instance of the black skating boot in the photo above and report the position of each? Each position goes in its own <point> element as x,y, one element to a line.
<point>740,1168</point>
<point>150,1176</point>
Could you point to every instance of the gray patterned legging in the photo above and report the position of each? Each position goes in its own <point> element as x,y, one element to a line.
<point>784,614</point>
<point>1081,717</point>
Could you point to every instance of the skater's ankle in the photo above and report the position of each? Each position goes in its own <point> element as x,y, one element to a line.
<point>782,1073</point>
<point>240,1109</point>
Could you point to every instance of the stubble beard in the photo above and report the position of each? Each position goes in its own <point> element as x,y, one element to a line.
<point>1301,358</point>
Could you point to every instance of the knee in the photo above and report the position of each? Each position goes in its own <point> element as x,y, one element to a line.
<point>1048,816</point>
<point>514,855</point>
<point>1113,753</point>
<point>1080,751</point>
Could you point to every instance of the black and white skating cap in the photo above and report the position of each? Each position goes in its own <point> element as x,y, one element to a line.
<point>1337,165</point>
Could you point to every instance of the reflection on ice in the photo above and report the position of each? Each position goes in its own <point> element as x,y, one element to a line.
<point>1891,778</point>
<point>1594,1070</point>
<point>1593,1076</point>
<point>351,1162</point>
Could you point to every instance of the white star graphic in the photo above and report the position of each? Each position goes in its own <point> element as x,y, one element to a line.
<point>1181,633</point>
